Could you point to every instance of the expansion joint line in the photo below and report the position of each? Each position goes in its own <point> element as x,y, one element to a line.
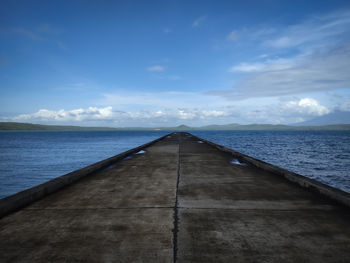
<point>176,217</point>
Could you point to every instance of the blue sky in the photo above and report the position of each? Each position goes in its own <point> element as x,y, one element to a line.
<point>164,63</point>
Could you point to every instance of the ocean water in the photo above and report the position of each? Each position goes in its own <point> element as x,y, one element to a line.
<point>320,155</point>
<point>31,158</point>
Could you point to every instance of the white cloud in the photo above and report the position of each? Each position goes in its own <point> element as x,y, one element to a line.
<point>190,114</point>
<point>110,117</point>
<point>156,68</point>
<point>232,36</point>
<point>199,21</point>
<point>248,67</point>
<point>307,106</point>
<point>91,113</point>
<point>167,113</point>
<point>277,111</point>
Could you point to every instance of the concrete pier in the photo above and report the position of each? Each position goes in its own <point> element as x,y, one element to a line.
<point>178,199</point>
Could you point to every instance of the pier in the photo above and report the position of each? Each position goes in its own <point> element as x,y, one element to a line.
<point>177,199</point>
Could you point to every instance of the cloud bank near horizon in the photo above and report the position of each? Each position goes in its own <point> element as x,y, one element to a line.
<point>289,112</point>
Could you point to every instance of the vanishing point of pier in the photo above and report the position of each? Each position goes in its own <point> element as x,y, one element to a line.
<point>177,199</point>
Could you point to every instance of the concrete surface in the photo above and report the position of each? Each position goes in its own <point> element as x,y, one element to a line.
<point>179,201</point>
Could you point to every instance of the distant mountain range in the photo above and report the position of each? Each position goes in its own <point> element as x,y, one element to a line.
<point>39,127</point>
<point>332,118</point>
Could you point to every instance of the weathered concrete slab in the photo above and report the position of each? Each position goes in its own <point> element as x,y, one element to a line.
<point>183,200</point>
<point>258,235</point>
<point>87,235</point>
<point>239,213</point>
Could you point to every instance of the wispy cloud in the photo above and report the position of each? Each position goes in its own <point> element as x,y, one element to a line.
<point>267,65</point>
<point>315,32</point>
<point>169,77</point>
<point>43,32</point>
<point>199,20</point>
<point>263,56</point>
<point>26,33</point>
<point>159,100</point>
<point>62,45</point>
<point>233,36</point>
<point>306,57</point>
<point>156,68</point>
<point>316,72</point>
<point>48,29</point>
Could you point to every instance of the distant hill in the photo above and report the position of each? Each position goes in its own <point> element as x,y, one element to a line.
<point>7,126</point>
<point>335,117</point>
<point>182,127</point>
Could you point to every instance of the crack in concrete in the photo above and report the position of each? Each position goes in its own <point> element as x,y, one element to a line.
<point>257,209</point>
<point>176,217</point>
<point>104,208</point>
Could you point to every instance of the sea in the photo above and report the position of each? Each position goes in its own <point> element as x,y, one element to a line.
<point>29,158</point>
